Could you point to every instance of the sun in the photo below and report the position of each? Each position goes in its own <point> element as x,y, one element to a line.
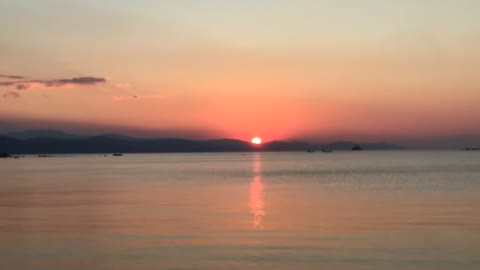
<point>257,140</point>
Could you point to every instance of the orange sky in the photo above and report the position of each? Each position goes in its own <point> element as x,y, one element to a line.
<point>315,69</point>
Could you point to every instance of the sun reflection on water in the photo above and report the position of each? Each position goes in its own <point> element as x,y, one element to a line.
<point>256,202</point>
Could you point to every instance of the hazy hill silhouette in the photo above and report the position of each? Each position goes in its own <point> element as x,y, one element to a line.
<point>58,142</point>
<point>30,134</point>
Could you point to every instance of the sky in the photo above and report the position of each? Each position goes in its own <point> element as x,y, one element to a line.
<point>315,70</point>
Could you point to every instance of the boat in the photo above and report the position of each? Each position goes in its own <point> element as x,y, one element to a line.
<point>310,151</point>
<point>5,155</point>
<point>117,154</point>
<point>357,148</point>
<point>327,150</point>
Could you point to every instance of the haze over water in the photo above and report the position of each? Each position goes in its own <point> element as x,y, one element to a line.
<point>345,210</point>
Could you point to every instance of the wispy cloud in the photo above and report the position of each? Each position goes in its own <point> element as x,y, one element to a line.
<point>12,77</point>
<point>123,85</point>
<point>27,84</point>
<point>11,95</point>
<point>137,97</point>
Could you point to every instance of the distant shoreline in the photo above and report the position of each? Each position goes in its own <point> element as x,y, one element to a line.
<point>59,142</point>
<point>117,144</point>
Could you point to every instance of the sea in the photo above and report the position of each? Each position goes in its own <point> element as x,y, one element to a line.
<point>259,210</point>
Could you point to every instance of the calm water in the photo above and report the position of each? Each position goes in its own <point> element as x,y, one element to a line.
<point>365,210</point>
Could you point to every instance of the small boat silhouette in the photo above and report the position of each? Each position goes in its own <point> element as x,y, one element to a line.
<point>357,148</point>
<point>5,155</point>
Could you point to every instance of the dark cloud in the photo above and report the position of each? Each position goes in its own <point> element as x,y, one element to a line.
<point>77,81</point>
<point>22,86</point>
<point>11,95</point>
<point>26,84</point>
<point>13,77</point>
<point>7,83</point>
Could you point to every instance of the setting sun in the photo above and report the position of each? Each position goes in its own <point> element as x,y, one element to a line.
<point>256,140</point>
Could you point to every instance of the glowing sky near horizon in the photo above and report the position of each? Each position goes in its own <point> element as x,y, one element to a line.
<point>278,69</point>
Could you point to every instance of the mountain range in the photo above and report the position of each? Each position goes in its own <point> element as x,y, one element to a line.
<point>59,142</point>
